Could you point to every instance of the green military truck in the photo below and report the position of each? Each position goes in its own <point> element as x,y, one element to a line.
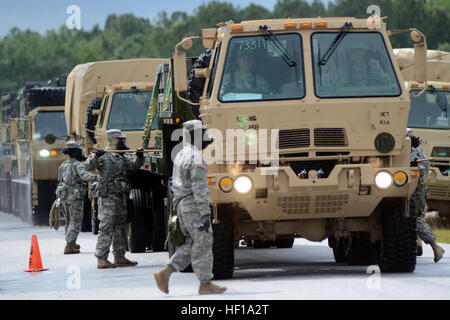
<point>33,136</point>
<point>329,101</point>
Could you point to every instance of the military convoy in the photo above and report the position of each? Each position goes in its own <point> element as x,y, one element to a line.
<point>429,120</point>
<point>33,134</point>
<point>309,136</point>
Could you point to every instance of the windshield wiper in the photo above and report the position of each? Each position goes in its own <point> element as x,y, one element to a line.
<point>323,61</point>
<point>145,102</point>
<point>291,62</point>
<point>438,100</point>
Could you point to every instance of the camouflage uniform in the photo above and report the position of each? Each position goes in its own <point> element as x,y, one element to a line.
<point>113,190</point>
<point>420,197</point>
<point>190,189</point>
<point>72,188</point>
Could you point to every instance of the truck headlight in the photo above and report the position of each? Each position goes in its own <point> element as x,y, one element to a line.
<point>243,184</point>
<point>383,180</point>
<point>44,153</point>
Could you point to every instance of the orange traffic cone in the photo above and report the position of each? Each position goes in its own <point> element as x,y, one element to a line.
<point>35,257</point>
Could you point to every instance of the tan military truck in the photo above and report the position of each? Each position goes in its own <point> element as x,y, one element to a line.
<point>104,95</point>
<point>327,96</point>
<point>33,140</point>
<point>429,120</point>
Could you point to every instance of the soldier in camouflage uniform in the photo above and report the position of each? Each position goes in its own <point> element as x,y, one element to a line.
<point>113,191</point>
<point>419,197</point>
<point>191,198</point>
<point>72,188</point>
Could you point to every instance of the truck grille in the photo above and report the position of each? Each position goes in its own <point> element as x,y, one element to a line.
<point>330,137</point>
<point>294,204</point>
<point>294,138</point>
<point>330,203</point>
<point>439,192</point>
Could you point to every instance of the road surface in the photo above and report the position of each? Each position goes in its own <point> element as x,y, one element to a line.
<point>307,271</point>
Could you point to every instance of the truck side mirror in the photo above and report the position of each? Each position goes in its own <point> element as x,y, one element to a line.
<point>180,71</point>
<point>208,37</point>
<point>420,55</point>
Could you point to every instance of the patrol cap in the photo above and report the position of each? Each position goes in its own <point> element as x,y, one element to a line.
<point>409,132</point>
<point>192,125</point>
<point>72,144</point>
<point>114,133</point>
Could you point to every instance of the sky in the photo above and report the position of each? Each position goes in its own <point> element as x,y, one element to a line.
<point>41,15</point>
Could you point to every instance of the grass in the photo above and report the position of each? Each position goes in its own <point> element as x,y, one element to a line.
<point>442,235</point>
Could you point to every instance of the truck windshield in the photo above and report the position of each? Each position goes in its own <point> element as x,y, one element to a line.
<point>256,69</point>
<point>426,112</point>
<point>129,110</point>
<point>359,67</point>
<point>50,122</point>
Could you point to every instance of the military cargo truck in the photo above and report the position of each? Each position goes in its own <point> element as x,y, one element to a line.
<point>429,120</point>
<point>32,139</point>
<point>104,95</point>
<point>328,97</point>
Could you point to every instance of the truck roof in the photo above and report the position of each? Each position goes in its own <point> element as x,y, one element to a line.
<point>84,81</point>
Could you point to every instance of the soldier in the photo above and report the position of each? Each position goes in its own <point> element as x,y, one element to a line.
<point>72,188</point>
<point>243,79</point>
<point>191,199</point>
<point>419,197</point>
<point>113,191</point>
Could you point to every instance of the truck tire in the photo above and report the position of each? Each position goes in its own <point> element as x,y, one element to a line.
<point>136,228</point>
<point>196,85</point>
<point>223,244</point>
<point>339,247</point>
<point>86,225</point>
<point>399,245</point>
<point>46,96</point>
<point>285,243</point>
<point>46,197</point>
<point>91,121</point>
<point>95,223</point>
<point>159,228</point>
<point>360,251</point>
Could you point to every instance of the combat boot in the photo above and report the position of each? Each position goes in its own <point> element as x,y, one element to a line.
<point>70,249</point>
<point>162,278</point>
<point>123,262</point>
<point>438,252</point>
<point>210,288</point>
<point>104,264</point>
<point>76,245</point>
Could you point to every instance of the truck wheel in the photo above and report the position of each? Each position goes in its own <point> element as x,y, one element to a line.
<point>136,228</point>
<point>95,223</point>
<point>261,244</point>
<point>91,118</point>
<point>284,243</point>
<point>223,245</point>
<point>339,246</point>
<point>399,245</point>
<point>159,227</point>
<point>196,85</point>
<point>360,251</point>
<point>86,225</point>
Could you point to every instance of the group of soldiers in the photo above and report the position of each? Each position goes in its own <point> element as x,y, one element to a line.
<point>191,197</point>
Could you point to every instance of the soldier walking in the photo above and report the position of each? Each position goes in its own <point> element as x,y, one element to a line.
<point>191,201</point>
<point>72,188</point>
<point>419,197</point>
<point>113,191</point>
